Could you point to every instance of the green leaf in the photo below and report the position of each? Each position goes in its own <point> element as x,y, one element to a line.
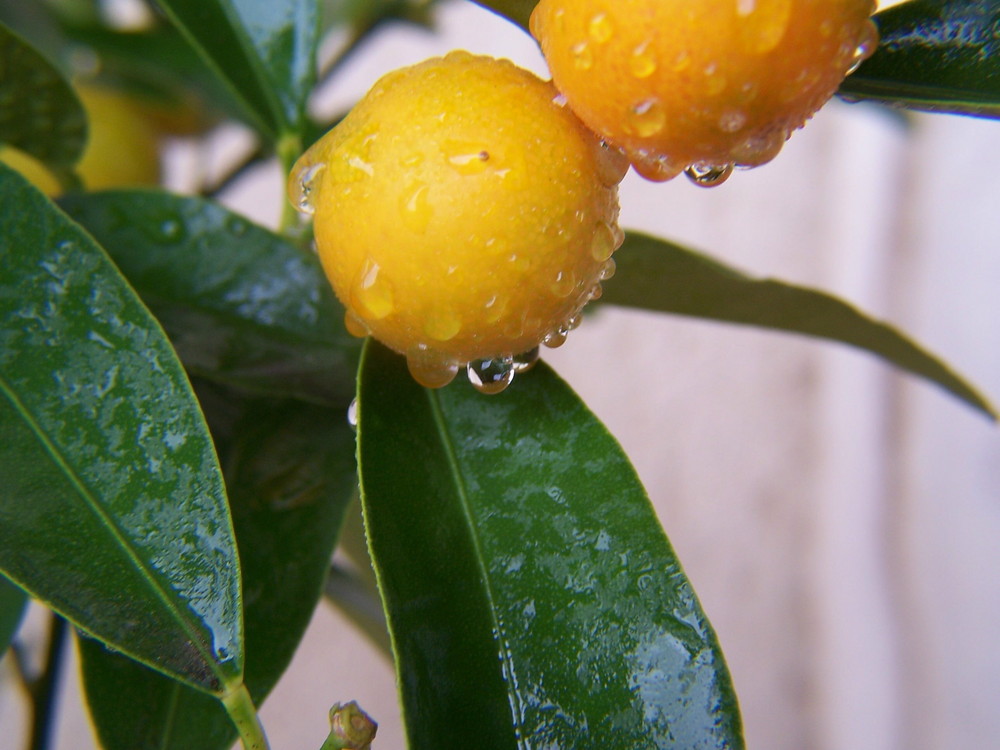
<point>518,11</point>
<point>112,510</point>
<point>936,55</point>
<point>265,49</point>
<point>657,275</point>
<point>290,471</point>
<point>13,602</point>
<point>39,114</point>
<point>533,599</point>
<point>242,305</point>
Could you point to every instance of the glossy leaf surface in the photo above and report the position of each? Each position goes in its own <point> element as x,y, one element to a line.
<point>936,55</point>
<point>112,507</point>
<point>533,599</point>
<point>264,48</point>
<point>657,275</point>
<point>290,471</point>
<point>13,602</point>
<point>242,305</point>
<point>40,113</point>
<point>518,11</point>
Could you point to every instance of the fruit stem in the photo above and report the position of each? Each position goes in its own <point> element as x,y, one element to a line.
<point>289,149</point>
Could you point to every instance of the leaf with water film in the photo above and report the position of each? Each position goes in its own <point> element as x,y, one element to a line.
<point>290,472</point>
<point>112,507</point>
<point>242,305</point>
<point>40,114</point>
<point>532,597</point>
<point>935,55</point>
<point>654,274</point>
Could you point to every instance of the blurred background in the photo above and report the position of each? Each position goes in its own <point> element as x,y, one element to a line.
<point>840,522</point>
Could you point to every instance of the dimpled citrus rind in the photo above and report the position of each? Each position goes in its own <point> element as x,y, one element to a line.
<point>677,83</point>
<point>460,213</point>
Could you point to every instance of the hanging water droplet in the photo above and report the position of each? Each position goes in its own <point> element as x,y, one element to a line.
<point>759,149</point>
<point>525,361</point>
<point>641,62</point>
<point>646,118</point>
<point>708,175</point>
<point>603,244</point>
<point>491,376</point>
<point>355,325</point>
<point>442,325</point>
<point>654,167</point>
<point>600,28</point>
<point>555,339</point>
<point>304,183</point>
<point>865,47</point>
<point>429,370</point>
<point>352,414</point>
<point>596,292</point>
<point>583,56</point>
<point>612,164</point>
<point>609,269</point>
<point>575,322</point>
<point>732,120</point>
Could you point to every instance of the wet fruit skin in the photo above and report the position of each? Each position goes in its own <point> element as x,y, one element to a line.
<point>677,83</point>
<point>461,213</point>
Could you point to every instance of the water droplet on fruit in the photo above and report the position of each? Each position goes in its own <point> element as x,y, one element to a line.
<point>467,158</point>
<point>600,28</point>
<point>555,339</point>
<point>654,167</point>
<point>612,164</point>
<point>412,160</point>
<point>646,118</point>
<point>865,47</point>
<point>574,322</point>
<point>759,149</point>
<point>415,207</point>
<point>603,244</point>
<point>304,183</point>
<point>525,361</point>
<point>373,293</point>
<point>442,325</point>
<point>429,370</point>
<point>609,269</point>
<point>732,120</point>
<point>596,292</point>
<point>708,175</point>
<point>583,56</point>
<point>352,414</point>
<point>563,284</point>
<point>682,61</point>
<point>641,62</point>
<point>491,376</point>
<point>355,325</point>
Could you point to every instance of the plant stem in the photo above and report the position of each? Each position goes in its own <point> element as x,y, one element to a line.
<point>44,689</point>
<point>289,148</point>
<point>240,708</point>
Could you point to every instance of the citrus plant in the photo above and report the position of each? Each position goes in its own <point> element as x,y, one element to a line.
<point>191,402</point>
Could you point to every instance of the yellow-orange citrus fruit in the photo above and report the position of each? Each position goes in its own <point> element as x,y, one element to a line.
<point>122,145</point>
<point>462,215</point>
<point>700,84</point>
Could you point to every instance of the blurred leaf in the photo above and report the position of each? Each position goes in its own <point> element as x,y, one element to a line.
<point>266,49</point>
<point>368,13</point>
<point>532,597</point>
<point>113,510</point>
<point>13,602</point>
<point>290,472</point>
<point>936,55</point>
<point>518,11</point>
<point>241,304</point>
<point>657,275</point>
<point>40,114</point>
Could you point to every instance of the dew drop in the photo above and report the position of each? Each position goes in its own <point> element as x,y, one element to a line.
<point>646,118</point>
<point>355,325</point>
<point>415,207</point>
<point>560,100</point>
<point>491,376</point>
<point>303,187</point>
<point>563,284</point>
<point>467,158</point>
<point>495,307</point>
<point>732,121</point>
<point>609,269</point>
<point>430,371</point>
<point>555,339</point>
<point>654,167</point>
<point>525,361</point>
<point>641,62</point>
<point>374,293</point>
<point>603,244</point>
<point>708,175</point>
<point>865,47</point>
<point>412,160</point>
<point>596,292</point>
<point>600,28</point>
<point>759,149</point>
<point>442,325</point>
<point>612,164</point>
<point>352,414</point>
<point>682,61</point>
<point>583,56</point>
<point>575,322</point>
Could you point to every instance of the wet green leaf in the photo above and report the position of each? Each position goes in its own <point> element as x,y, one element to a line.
<point>518,11</point>
<point>112,509</point>
<point>654,274</point>
<point>40,114</point>
<point>13,602</point>
<point>266,50</point>
<point>290,472</point>
<point>242,305</point>
<point>936,55</point>
<point>532,596</point>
